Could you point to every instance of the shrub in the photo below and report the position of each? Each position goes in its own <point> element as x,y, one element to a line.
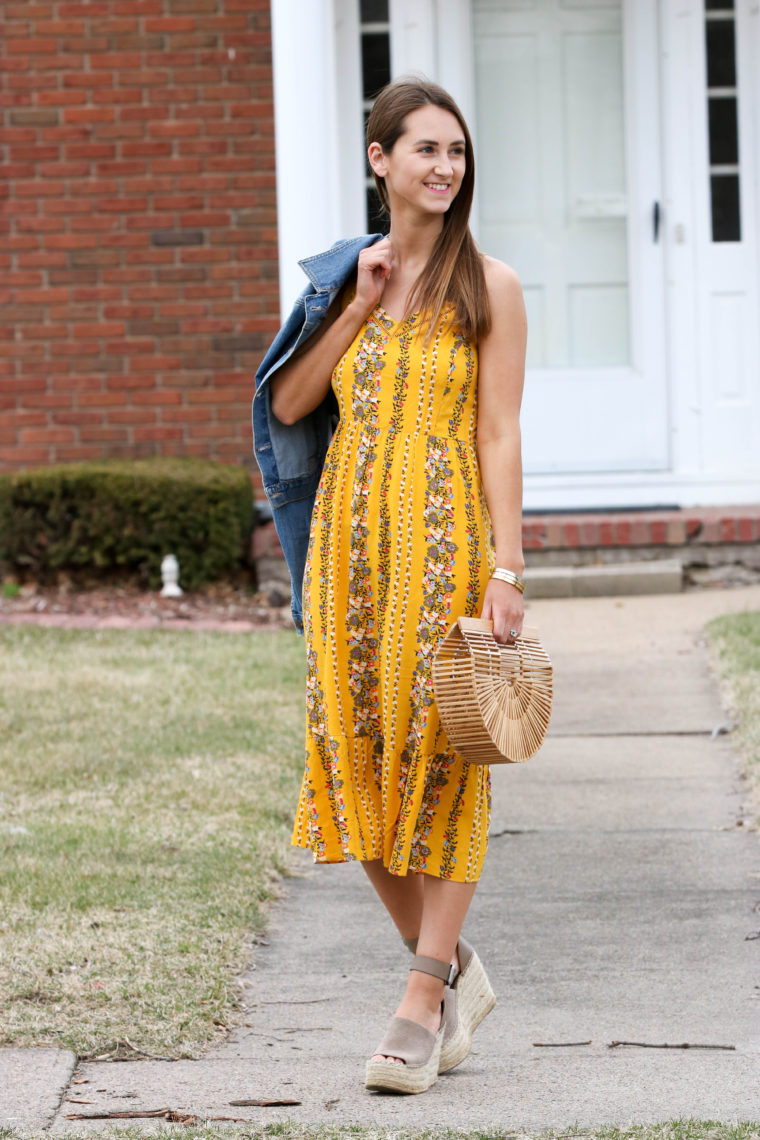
<point>124,516</point>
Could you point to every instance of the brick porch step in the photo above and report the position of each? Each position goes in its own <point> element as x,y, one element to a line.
<point>585,547</point>
<point>693,527</point>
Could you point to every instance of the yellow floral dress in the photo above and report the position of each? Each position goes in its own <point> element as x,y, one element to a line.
<point>399,548</point>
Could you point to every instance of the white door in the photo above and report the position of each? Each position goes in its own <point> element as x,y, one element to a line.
<point>567,112</point>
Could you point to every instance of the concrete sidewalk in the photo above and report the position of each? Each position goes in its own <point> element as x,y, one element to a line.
<point>620,902</point>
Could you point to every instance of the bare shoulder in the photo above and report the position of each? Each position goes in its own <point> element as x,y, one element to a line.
<point>502,282</point>
<point>506,301</point>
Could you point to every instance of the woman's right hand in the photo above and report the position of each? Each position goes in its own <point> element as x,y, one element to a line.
<point>372,273</point>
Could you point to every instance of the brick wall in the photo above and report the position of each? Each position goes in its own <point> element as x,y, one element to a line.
<point>139,252</point>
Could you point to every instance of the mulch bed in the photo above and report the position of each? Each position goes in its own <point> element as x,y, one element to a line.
<point>225,608</point>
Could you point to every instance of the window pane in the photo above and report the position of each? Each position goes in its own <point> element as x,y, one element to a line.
<point>374,11</point>
<point>724,138</point>
<point>376,63</point>
<point>725,207</point>
<point>721,56</point>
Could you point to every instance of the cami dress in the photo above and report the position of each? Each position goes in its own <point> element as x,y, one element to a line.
<point>400,546</point>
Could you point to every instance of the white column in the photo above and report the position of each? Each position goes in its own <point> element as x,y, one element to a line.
<point>303,54</point>
<point>352,213</point>
<point>413,38</point>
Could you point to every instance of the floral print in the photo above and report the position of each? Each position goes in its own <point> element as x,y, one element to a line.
<point>399,548</point>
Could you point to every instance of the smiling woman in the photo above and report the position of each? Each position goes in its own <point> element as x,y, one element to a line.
<point>418,340</point>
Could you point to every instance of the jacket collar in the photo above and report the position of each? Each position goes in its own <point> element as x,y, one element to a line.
<point>328,270</point>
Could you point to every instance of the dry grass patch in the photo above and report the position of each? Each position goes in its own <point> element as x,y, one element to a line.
<point>736,644</point>
<point>672,1130</point>
<point>147,786</point>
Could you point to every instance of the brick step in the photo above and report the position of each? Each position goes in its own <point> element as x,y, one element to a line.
<point>695,535</point>
<point>688,527</point>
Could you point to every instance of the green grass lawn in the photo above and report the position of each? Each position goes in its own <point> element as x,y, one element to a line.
<point>736,648</point>
<point>147,787</point>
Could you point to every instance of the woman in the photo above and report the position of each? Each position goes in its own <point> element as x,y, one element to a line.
<point>419,498</point>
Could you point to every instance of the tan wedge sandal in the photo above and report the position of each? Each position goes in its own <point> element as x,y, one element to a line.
<point>467,1000</point>
<point>418,1049</point>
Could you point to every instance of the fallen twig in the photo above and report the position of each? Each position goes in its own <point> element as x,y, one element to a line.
<point>557,1044</point>
<point>304,1001</point>
<point>265,1102</point>
<point>683,1045</point>
<point>169,1114</point>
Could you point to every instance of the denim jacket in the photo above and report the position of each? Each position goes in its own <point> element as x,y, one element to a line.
<point>291,456</point>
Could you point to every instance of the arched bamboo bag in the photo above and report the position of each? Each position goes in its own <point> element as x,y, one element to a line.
<point>494,700</point>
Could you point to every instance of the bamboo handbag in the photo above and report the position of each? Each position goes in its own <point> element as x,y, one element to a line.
<point>494,700</point>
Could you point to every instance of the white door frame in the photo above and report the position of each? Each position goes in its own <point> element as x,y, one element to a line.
<point>318,111</point>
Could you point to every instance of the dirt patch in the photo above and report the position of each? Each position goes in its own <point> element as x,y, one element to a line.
<point>220,607</point>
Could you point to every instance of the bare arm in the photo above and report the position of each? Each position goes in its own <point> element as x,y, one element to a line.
<point>501,371</point>
<point>301,385</point>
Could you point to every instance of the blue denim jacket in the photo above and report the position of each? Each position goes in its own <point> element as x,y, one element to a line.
<point>291,456</point>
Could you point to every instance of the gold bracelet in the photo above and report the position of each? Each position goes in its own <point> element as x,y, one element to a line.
<point>510,578</point>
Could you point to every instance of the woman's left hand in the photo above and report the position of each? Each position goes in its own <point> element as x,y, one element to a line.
<point>503,605</point>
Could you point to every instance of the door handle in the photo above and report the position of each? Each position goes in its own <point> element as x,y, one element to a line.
<point>656,222</point>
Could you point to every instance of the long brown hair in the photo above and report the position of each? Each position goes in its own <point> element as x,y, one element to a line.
<point>454,272</point>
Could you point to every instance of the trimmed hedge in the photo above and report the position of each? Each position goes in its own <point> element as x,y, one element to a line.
<point>124,516</point>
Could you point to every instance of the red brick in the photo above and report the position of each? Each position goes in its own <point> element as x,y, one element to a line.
<point>208,431</point>
<point>61,399</point>
<point>159,397</point>
<point>27,419</point>
<point>117,98</point>
<point>46,435</point>
<point>98,329</point>
<point>158,433</point>
<point>145,148</point>
<point>77,454</point>
<point>183,414</point>
<point>177,165</point>
<point>123,205</point>
<point>91,150</point>
<point>39,188</point>
<point>20,455</point>
<point>173,128</point>
<point>97,399</point>
<point>71,241</point>
<point>133,416</point>
<point>153,363</point>
<point>58,98</point>
<point>88,79</point>
<point>145,79</point>
<point>114,61</point>
<point>103,434</point>
<point>137,7</point>
<point>89,115</point>
<point>77,418</point>
<point>170,24</point>
<point>747,529</point>
<point>128,383</point>
<point>78,383</point>
<point>39,260</point>
<point>70,209</point>
<point>20,387</point>
<point>30,45</point>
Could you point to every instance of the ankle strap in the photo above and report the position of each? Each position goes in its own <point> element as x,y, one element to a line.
<point>446,971</point>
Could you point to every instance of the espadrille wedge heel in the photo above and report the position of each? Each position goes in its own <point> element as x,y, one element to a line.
<point>466,1002</point>
<point>418,1049</point>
